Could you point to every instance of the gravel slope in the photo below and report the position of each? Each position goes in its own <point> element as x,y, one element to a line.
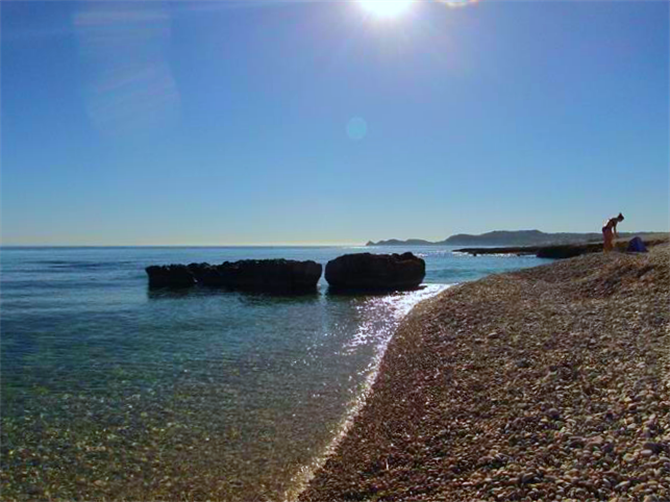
<point>544,384</point>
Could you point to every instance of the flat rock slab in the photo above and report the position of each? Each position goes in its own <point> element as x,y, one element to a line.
<point>265,275</point>
<point>277,275</point>
<point>562,251</point>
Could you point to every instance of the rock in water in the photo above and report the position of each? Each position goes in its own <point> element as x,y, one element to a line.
<point>170,276</point>
<point>199,269</point>
<point>366,271</point>
<point>280,275</point>
<point>264,275</point>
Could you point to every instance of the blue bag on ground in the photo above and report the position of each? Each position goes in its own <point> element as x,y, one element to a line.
<point>636,246</point>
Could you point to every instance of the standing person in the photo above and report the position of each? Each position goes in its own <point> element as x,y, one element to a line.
<point>610,233</point>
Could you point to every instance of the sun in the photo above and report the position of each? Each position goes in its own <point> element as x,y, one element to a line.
<point>386,8</point>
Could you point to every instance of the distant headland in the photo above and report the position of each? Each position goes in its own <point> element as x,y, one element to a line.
<point>505,238</point>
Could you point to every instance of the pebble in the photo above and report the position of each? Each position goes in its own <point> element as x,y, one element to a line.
<point>553,413</point>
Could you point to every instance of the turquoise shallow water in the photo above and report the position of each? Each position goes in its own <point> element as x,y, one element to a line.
<point>112,390</point>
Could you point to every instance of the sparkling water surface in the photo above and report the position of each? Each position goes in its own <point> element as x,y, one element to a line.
<point>113,391</point>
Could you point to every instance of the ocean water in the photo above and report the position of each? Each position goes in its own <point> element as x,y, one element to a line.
<point>113,391</point>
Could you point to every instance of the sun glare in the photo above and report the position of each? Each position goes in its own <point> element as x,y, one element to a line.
<point>386,8</point>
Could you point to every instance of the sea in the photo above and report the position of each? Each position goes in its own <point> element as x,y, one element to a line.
<point>113,391</point>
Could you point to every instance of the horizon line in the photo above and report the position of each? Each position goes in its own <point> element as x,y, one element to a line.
<point>4,246</point>
<point>299,244</point>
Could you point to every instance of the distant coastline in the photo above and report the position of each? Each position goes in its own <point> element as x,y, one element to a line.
<point>507,238</point>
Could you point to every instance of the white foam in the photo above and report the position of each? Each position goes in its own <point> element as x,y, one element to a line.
<point>378,332</point>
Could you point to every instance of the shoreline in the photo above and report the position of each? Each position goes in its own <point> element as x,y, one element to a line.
<point>304,476</point>
<point>546,383</point>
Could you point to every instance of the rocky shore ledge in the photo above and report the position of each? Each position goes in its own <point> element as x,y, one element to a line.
<point>562,251</point>
<point>546,384</point>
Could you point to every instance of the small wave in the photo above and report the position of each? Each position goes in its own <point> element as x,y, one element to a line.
<point>396,307</point>
<point>89,265</point>
<point>74,264</point>
<point>393,308</point>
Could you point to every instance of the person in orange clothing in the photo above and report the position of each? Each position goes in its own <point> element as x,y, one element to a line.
<point>610,233</point>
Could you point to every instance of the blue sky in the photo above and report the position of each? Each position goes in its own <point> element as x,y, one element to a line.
<point>259,122</point>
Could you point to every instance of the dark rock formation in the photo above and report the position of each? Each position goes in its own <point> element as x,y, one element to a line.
<point>170,276</point>
<point>255,275</point>
<point>517,250</point>
<point>558,251</point>
<point>365,271</point>
<point>199,269</point>
<point>568,251</point>
<point>264,275</point>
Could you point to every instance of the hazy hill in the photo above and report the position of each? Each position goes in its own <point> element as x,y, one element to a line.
<point>520,238</point>
<point>505,238</point>
<point>396,242</point>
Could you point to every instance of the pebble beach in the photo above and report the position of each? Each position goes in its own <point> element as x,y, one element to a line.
<point>549,383</point>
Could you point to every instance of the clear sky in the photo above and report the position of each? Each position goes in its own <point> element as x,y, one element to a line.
<point>256,122</point>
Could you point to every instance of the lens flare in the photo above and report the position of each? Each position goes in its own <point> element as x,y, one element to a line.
<point>386,8</point>
<point>357,128</point>
<point>457,3</point>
